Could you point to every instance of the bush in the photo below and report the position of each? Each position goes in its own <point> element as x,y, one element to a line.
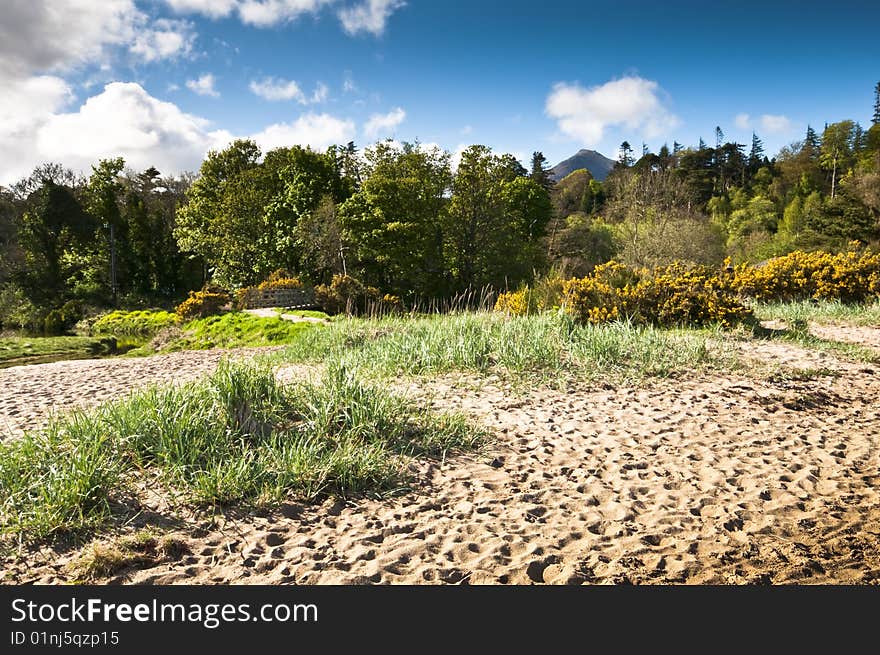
<point>345,294</point>
<point>516,303</point>
<point>852,276</point>
<point>673,295</point>
<point>53,324</point>
<point>202,304</point>
<point>281,279</point>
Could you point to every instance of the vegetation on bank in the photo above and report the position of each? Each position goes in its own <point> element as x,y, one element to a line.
<point>234,437</point>
<point>34,350</point>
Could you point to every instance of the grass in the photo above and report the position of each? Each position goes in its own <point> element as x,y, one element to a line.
<point>235,437</point>
<point>31,350</point>
<point>141,323</point>
<point>822,311</point>
<point>103,559</point>
<point>544,345</point>
<point>236,330</point>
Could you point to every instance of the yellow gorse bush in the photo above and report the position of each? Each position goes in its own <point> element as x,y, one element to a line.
<point>698,295</point>
<point>667,295</point>
<point>201,304</point>
<point>852,276</point>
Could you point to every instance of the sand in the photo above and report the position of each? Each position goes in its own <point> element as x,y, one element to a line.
<point>30,394</point>
<point>702,479</point>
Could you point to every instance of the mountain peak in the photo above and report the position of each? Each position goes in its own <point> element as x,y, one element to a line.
<point>598,164</point>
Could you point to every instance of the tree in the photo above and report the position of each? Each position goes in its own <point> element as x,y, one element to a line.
<point>756,154</point>
<point>875,119</point>
<point>540,173</point>
<point>626,158</point>
<point>495,222</point>
<point>103,192</point>
<point>53,224</point>
<point>211,225</point>
<point>395,222</point>
<point>836,150</point>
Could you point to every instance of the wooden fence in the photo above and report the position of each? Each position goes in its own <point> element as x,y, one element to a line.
<point>254,298</point>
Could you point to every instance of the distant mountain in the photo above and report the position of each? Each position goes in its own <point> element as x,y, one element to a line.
<point>598,164</point>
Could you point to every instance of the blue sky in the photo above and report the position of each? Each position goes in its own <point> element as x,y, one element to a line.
<point>161,81</point>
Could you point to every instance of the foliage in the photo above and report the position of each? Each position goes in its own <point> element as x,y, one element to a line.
<point>140,323</point>
<point>234,330</point>
<point>202,303</point>
<point>236,436</point>
<point>674,295</point>
<point>281,279</point>
<point>345,295</point>
<point>853,276</point>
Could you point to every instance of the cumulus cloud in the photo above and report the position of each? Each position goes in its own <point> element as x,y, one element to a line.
<point>316,130</point>
<point>370,16</point>
<point>270,88</point>
<point>124,120</point>
<point>775,124</point>
<point>384,124</point>
<point>585,113</point>
<point>203,86</point>
<point>266,13</point>
<point>769,123</point>
<point>210,8</point>
<point>165,39</point>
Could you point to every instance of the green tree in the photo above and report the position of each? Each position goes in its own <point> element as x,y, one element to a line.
<point>395,222</point>
<point>837,150</point>
<point>496,220</point>
<point>540,172</point>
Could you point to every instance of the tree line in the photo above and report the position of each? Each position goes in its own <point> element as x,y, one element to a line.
<point>398,217</point>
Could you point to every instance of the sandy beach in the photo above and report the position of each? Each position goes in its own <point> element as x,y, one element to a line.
<point>730,479</point>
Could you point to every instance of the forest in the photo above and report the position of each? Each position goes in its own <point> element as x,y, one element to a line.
<point>401,219</point>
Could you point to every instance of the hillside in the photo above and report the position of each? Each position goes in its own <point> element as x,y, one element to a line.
<point>595,162</point>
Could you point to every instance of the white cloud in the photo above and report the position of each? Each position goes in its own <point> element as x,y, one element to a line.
<point>320,94</point>
<point>204,86</point>
<point>316,130</point>
<point>122,121</point>
<point>271,89</point>
<point>633,102</point>
<point>384,124</point>
<point>266,13</point>
<point>769,123</point>
<point>165,39</point>
<point>775,124</point>
<point>369,16</point>
<point>210,8</point>
<point>126,121</point>
<point>51,35</point>
<point>348,85</point>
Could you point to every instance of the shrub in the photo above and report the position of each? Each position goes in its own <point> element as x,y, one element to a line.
<point>201,304</point>
<point>516,303</point>
<point>345,294</point>
<point>665,296</point>
<point>281,279</point>
<point>852,276</point>
<point>53,324</point>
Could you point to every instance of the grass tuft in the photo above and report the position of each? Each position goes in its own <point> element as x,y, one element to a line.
<point>236,436</point>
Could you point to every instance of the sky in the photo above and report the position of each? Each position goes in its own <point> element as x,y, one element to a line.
<point>161,82</point>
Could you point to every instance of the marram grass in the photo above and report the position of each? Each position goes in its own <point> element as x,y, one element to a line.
<point>234,437</point>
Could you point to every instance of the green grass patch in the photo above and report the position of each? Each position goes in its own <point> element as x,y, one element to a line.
<point>141,323</point>
<point>821,311</point>
<point>35,350</point>
<point>237,330</point>
<point>235,437</point>
<point>544,345</point>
